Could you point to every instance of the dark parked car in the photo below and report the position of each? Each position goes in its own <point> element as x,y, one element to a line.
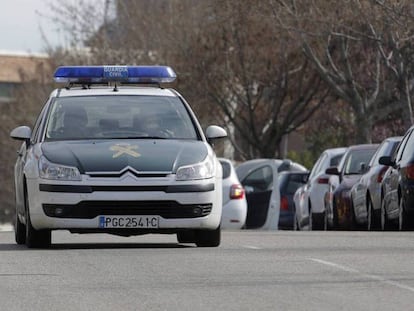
<point>289,182</point>
<point>349,171</point>
<point>366,193</point>
<point>398,185</point>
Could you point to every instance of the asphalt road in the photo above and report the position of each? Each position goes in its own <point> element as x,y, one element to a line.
<point>251,270</point>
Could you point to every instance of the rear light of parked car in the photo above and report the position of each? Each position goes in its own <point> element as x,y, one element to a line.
<point>381,174</point>
<point>409,171</point>
<point>236,192</point>
<point>284,203</point>
<point>323,180</point>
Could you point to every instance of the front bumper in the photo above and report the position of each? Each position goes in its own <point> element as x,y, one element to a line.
<point>79,205</point>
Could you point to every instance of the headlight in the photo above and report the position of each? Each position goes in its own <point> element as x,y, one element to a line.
<point>54,171</point>
<point>201,170</point>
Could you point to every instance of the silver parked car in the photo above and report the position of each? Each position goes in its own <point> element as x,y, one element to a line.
<point>366,193</point>
<point>310,198</point>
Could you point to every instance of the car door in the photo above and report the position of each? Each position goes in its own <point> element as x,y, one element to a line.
<point>21,161</point>
<point>393,180</point>
<point>316,186</point>
<point>259,187</point>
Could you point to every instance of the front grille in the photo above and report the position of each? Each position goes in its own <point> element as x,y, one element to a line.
<point>92,209</point>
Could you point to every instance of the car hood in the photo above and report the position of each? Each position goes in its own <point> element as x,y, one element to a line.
<point>116,155</point>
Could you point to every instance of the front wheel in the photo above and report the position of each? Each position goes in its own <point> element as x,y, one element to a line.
<point>325,221</point>
<point>35,238</point>
<point>208,238</point>
<point>385,223</point>
<point>310,226</point>
<point>403,221</point>
<point>19,231</point>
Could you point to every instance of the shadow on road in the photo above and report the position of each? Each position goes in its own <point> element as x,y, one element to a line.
<point>63,246</point>
<point>116,245</point>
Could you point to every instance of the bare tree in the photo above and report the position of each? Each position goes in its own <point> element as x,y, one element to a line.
<point>336,38</point>
<point>392,30</point>
<point>257,82</point>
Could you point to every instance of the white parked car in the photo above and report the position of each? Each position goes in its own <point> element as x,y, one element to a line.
<point>310,198</point>
<point>260,179</point>
<point>234,200</point>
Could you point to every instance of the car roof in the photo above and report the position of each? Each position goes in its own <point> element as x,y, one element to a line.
<point>394,138</point>
<point>335,151</point>
<point>109,90</point>
<point>362,147</point>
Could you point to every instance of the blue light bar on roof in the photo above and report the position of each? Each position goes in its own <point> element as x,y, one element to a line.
<point>105,74</point>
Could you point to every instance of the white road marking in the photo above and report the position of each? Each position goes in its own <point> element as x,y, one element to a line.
<point>370,276</point>
<point>251,247</point>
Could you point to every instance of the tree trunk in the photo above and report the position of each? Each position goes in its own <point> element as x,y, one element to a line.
<point>363,125</point>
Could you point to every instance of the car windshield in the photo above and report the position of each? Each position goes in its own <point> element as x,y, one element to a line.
<point>119,117</point>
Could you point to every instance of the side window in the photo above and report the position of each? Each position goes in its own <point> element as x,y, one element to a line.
<point>295,181</point>
<point>260,180</point>
<point>37,127</point>
<point>401,148</point>
<point>335,160</point>
<point>407,153</point>
<point>379,153</point>
<point>316,168</point>
<point>226,169</point>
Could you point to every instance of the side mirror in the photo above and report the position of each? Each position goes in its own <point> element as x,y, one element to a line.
<point>215,132</point>
<point>21,133</point>
<point>332,171</point>
<point>305,178</point>
<point>386,160</point>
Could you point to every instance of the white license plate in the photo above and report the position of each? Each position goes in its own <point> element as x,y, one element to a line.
<point>128,222</point>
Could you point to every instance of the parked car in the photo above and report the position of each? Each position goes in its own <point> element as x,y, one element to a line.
<point>289,182</point>
<point>339,211</point>
<point>260,180</point>
<point>309,199</point>
<point>234,200</point>
<point>366,193</point>
<point>397,200</point>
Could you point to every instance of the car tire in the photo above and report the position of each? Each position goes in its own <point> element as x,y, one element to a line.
<point>208,238</point>
<point>370,216</point>
<point>403,221</point>
<point>296,226</point>
<point>385,223</point>
<point>35,238</point>
<point>310,225</point>
<point>353,224</point>
<point>325,221</point>
<point>186,236</point>
<point>335,224</point>
<point>19,231</point>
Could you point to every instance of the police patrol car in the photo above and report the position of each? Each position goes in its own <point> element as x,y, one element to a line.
<point>105,156</point>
